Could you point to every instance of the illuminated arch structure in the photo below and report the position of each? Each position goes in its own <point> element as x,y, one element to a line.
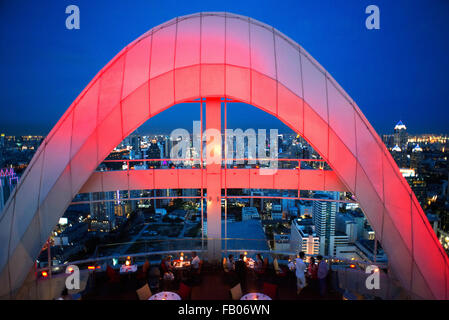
<point>211,55</point>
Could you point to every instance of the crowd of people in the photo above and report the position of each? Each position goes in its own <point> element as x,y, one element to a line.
<point>312,273</point>
<point>238,269</point>
<point>168,268</point>
<point>315,274</point>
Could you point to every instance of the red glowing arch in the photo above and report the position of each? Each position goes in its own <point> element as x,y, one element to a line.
<point>220,55</point>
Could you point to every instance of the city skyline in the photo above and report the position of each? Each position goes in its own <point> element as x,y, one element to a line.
<point>43,81</point>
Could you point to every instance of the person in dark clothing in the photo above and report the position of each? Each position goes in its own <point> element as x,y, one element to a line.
<point>240,270</point>
<point>323,270</point>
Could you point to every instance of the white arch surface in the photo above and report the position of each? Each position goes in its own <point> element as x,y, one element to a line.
<point>220,55</point>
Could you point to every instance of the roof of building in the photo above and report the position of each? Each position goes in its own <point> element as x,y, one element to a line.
<point>399,126</point>
<point>417,148</point>
<point>396,148</point>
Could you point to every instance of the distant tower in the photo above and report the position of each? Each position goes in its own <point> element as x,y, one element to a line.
<point>8,181</point>
<point>154,152</point>
<point>400,156</point>
<point>324,215</point>
<point>102,214</point>
<point>400,135</point>
<point>416,158</point>
<point>136,149</point>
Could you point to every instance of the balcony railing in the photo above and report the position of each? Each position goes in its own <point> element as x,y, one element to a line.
<point>195,163</point>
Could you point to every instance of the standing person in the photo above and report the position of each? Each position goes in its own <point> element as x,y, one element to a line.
<point>195,262</point>
<point>323,270</point>
<point>195,271</point>
<point>300,273</point>
<point>312,272</point>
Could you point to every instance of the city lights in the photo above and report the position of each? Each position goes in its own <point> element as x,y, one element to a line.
<point>213,157</point>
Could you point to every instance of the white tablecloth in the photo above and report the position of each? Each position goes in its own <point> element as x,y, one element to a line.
<point>165,295</point>
<point>255,296</point>
<point>250,263</point>
<point>131,268</point>
<point>180,265</point>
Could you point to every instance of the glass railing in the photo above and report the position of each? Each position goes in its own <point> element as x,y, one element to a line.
<point>145,164</point>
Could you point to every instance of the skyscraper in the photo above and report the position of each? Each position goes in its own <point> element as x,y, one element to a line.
<point>154,152</point>
<point>8,181</point>
<point>416,158</point>
<point>136,152</point>
<point>102,214</point>
<point>400,156</point>
<point>303,237</point>
<point>324,215</point>
<point>400,135</point>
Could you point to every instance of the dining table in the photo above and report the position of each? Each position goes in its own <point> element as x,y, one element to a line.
<point>180,266</point>
<point>250,263</point>
<point>128,269</point>
<point>165,295</point>
<point>255,296</point>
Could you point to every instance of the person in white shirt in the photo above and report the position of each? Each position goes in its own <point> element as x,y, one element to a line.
<point>195,261</point>
<point>300,273</point>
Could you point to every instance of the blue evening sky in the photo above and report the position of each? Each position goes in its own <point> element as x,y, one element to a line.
<point>397,72</point>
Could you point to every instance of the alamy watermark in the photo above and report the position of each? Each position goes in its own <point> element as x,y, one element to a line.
<point>372,282</point>
<point>73,20</point>
<point>72,282</point>
<point>373,20</point>
<point>257,149</point>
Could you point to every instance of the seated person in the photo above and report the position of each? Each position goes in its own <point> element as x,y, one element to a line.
<point>231,263</point>
<point>258,265</point>
<point>167,268</point>
<point>240,265</point>
<point>168,264</point>
<point>163,266</point>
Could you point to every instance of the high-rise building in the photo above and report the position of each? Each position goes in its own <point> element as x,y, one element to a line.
<point>359,218</point>
<point>287,203</point>
<point>345,223</point>
<point>400,135</point>
<point>2,140</point>
<point>154,152</point>
<point>416,158</point>
<point>417,183</point>
<point>136,151</point>
<point>400,156</point>
<point>324,218</point>
<point>388,140</point>
<point>249,213</point>
<point>303,237</point>
<point>102,214</point>
<point>8,181</point>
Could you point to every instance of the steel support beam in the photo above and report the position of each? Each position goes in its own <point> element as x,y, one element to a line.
<point>213,177</point>
<point>285,179</point>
